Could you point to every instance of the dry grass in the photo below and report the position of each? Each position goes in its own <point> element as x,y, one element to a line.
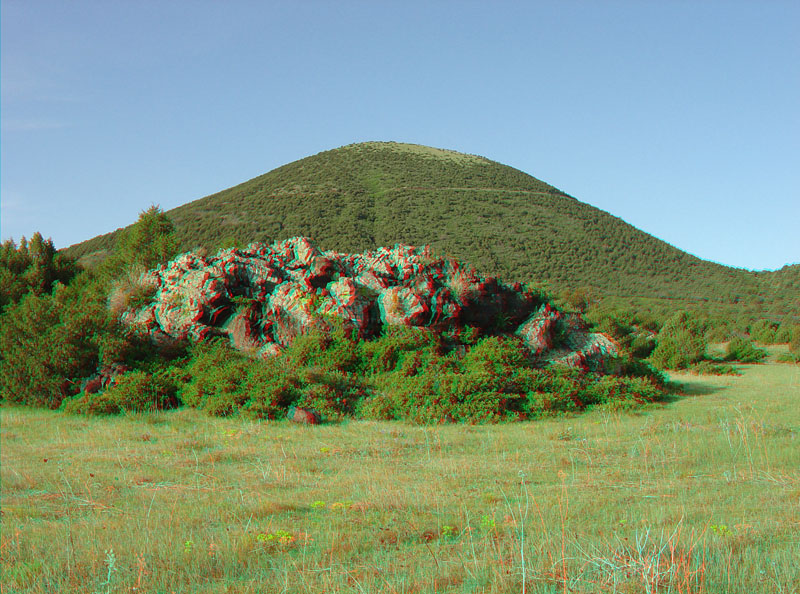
<point>131,289</point>
<point>427,152</point>
<point>699,495</point>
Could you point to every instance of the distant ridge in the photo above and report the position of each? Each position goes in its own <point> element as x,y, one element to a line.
<point>502,220</point>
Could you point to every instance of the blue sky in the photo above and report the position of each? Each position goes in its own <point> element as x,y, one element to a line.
<point>680,117</point>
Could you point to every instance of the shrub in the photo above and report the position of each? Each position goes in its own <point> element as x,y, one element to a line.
<point>763,331</point>
<point>32,267</point>
<point>270,389</point>
<point>742,350</point>
<point>47,344</point>
<point>783,334</point>
<point>720,332</point>
<point>385,353</point>
<point>621,392</point>
<point>332,348</point>
<point>496,355</point>
<point>332,393</point>
<point>680,343</point>
<point>145,244</point>
<point>552,390</point>
<point>136,391</point>
<point>709,368</point>
<point>217,383</point>
<point>438,397</point>
<point>794,342</point>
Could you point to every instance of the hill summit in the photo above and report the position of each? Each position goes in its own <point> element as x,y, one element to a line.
<point>502,221</point>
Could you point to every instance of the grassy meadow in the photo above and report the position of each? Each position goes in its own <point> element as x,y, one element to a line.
<point>700,494</point>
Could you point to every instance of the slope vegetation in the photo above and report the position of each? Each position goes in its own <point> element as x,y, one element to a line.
<point>501,220</point>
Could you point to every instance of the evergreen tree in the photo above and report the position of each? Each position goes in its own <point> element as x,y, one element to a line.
<point>148,243</point>
<point>33,267</point>
<point>680,343</point>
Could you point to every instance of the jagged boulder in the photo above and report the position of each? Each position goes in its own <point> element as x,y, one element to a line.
<point>264,296</point>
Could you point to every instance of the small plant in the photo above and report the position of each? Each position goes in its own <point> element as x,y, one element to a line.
<point>281,539</point>
<point>111,567</point>
<point>720,530</point>
<point>488,523</point>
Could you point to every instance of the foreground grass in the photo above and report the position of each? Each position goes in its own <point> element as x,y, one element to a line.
<point>699,495</point>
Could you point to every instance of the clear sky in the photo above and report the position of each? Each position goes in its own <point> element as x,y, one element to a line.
<point>680,117</point>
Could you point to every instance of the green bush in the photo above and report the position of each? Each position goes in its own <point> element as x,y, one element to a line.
<point>763,331</point>
<point>783,335</point>
<point>32,267</point>
<point>398,343</point>
<point>136,391</point>
<point>333,348</point>
<point>144,245</point>
<point>552,390</point>
<point>270,389</point>
<point>218,375</point>
<point>719,332</point>
<point>436,398</point>
<point>48,343</point>
<point>742,350</point>
<point>680,343</point>
<point>332,393</point>
<point>709,368</point>
<point>621,392</point>
<point>794,342</point>
<point>496,355</point>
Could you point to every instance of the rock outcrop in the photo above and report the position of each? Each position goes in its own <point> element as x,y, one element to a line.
<point>264,296</point>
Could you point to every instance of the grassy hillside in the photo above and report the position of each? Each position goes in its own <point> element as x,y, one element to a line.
<point>500,219</point>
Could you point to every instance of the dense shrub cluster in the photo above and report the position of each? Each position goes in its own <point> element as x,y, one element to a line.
<point>54,335</point>
<point>408,373</point>
<point>743,350</point>
<point>47,343</point>
<point>31,267</point>
<point>136,391</point>
<point>711,368</point>
<point>634,333</point>
<point>52,341</point>
<point>794,341</point>
<point>681,342</point>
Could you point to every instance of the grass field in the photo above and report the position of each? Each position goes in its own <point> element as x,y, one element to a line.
<point>701,494</point>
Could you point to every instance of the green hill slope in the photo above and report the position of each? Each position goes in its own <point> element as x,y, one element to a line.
<point>503,221</point>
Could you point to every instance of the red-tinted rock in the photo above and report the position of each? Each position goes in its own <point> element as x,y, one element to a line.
<point>94,385</point>
<point>303,416</point>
